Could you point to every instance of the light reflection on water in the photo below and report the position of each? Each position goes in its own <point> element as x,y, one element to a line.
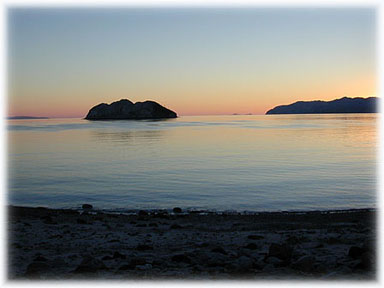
<point>274,162</point>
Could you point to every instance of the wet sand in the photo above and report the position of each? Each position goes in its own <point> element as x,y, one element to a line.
<point>87,244</point>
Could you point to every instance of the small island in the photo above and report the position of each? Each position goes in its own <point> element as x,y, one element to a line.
<point>127,110</point>
<point>342,105</point>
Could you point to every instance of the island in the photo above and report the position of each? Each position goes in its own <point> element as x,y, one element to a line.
<point>342,105</point>
<point>127,110</point>
<point>25,118</point>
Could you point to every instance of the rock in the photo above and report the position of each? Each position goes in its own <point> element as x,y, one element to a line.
<point>355,252</point>
<point>40,258</point>
<point>144,267</point>
<point>369,245</point>
<point>87,206</point>
<point>202,244</point>
<point>274,261</point>
<point>367,261</point>
<point>90,264</point>
<point>161,214</point>
<point>126,267</point>
<point>58,262</point>
<point>291,240</point>
<point>216,260</point>
<point>126,110</point>
<point>255,237</point>
<point>281,251</point>
<point>81,221</point>
<point>251,246</point>
<point>118,255</point>
<point>143,213</point>
<point>177,210</point>
<point>331,275</point>
<point>138,261</point>
<point>304,263</point>
<point>36,268</point>
<point>269,268</point>
<point>219,250</point>
<point>181,258</point>
<point>144,247</point>
<point>243,264</point>
<point>175,226</point>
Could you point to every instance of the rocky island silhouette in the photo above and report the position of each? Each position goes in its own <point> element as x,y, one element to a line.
<point>127,110</point>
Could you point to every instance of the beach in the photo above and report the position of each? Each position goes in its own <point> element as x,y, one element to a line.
<point>198,245</point>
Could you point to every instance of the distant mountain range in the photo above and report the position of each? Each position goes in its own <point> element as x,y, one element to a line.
<point>25,117</point>
<point>342,105</point>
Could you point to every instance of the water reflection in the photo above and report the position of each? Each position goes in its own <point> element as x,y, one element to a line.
<point>262,162</point>
<point>129,137</point>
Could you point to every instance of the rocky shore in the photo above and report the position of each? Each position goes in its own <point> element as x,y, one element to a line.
<point>87,244</point>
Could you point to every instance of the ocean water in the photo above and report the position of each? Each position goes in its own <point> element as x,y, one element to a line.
<point>243,163</point>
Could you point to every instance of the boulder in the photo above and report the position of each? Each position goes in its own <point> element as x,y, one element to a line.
<point>126,110</point>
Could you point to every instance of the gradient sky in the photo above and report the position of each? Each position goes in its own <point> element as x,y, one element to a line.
<point>192,60</point>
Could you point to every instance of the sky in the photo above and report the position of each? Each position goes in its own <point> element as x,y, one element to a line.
<point>195,61</point>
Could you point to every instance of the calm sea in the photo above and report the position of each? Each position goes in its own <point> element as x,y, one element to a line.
<point>254,163</point>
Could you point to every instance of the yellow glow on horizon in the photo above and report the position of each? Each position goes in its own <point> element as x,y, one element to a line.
<point>209,99</point>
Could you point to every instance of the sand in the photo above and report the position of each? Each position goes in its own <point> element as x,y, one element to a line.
<point>74,244</point>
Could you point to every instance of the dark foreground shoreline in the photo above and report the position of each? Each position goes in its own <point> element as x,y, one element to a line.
<point>94,245</point>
